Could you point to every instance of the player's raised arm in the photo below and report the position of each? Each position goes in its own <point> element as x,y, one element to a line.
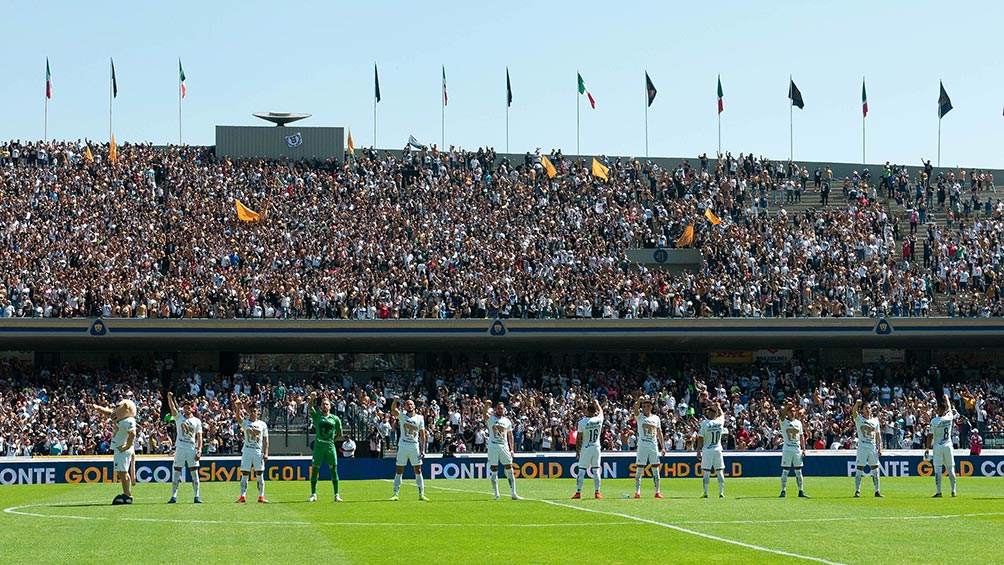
<point>486,410</point>
<point>171,405</point>
<point>394,405</point>
<point>854,411</point>
<point>238,408</point>
<point>599,409</point>
<point>637,405</point>
<point>310,403</point>
<point>102,409</point>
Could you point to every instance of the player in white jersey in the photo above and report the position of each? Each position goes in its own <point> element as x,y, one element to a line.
<point>587,447</point>
<point>255,452</point>
<point>123,416</point>
<point>869,445</point>
<point>793,450</point>
<point>651,444</point>
<point>709,447</point>
<point>410,446</point>
<point>187,447</point>
<point>500,447</point>
<point>940,438</point>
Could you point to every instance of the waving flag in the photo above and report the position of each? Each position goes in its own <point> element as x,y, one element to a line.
<point>584,90</point>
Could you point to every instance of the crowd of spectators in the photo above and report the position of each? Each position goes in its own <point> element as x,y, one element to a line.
<point>459,234</point>
<point>46,413</point>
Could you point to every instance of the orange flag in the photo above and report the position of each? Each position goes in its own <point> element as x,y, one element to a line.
<point>88,156</point>
<point>112,154</point>
<point>687,238</point>
<point>600,170</point>
<point>352,146</point>
<point>551,171</point>
<point>711,216</point>
<point>246,214</point>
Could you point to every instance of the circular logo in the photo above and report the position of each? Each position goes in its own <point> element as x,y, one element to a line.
<point>660,256</point>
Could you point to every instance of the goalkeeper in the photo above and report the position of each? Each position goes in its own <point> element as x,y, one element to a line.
<point>328,428</point>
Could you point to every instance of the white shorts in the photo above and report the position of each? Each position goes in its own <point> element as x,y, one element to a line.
<point>408,453</point>
<point>589,457</point>
<point>123,459</point>
<point>252,458</point>
<point>647,455</point>
<point>867,457</point>
<point>791,459</point>
<point>943,455</point>
<point>499,454</point>
<point>184,456</point>
<point>712,460</point>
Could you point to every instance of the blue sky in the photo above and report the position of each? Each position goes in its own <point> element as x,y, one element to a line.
<point>240,59</point>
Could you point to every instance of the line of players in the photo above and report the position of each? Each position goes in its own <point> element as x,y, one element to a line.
<point>414,436</point>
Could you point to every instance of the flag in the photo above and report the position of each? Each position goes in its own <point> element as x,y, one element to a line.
<point>600,171</point>
<point>508,89</point>
<point>650,89</point>
<point>795,95</point>
<point>711,216</point>
<point>88,156</point>
<point>551,171</point>
<point>112,153</point>
<point>181,73</point>
<point>376,82</point>
<point>584,90</point>
<point>944,102</point>
<point>115,83</point>
<point>352,146</point>
<point>48,80</point>
<point>721,96</point>
<point>446,98</point>
<point>246,214</point>
<point>414,142</point>
<point>864,100</point>
<point>687,238</point>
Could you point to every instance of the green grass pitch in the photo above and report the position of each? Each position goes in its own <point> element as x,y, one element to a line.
<point>463,524</point>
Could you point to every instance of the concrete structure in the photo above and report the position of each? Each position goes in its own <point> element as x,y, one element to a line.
<point>291,142</point>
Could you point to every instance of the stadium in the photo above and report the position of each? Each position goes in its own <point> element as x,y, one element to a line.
<point>278,343</point>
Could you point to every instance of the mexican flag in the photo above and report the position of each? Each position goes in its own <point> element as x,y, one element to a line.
<point>584,90</point>
<point>181,77</point>
<point>48,80</point>
<point>446,98</point>
<point>721,96</point>
<point>864,100</point>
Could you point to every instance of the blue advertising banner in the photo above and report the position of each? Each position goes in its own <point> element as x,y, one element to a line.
<point>62,470</point>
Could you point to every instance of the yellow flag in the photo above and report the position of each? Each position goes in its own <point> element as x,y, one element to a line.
<point>687,238</point>
<point>551,171</point>
<point>246,214</point>
<point>88,156</point>
<point>352,146</point>
<point>112,154</point>
<point>599,170</point>
<point>711,217</point>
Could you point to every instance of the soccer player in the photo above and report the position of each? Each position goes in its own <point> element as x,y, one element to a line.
<point>328,429</point>
<point>188,447</point>
<point>123,416</point>
<point>709,447</point>
<point>869,445</point>
<point>255,452</point>
<point>651,443</point>
<point>587,447</point>
<point>410,446</point>
<point>793,451</point>
<point>500,447</point>
<point>940,437</point>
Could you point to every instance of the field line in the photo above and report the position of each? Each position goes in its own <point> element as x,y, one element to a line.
<point>663,525</point>
<point>843,519</point>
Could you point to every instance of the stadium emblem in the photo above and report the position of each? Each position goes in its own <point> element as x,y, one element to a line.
<point>660,255</point>
<point>883,327</point>
<point>98,328</point>
<point>294,140</point>
<point>497,329</point>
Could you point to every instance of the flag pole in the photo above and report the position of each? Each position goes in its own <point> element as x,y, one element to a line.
<point>939,136</point>
<point>791,122</point>
<point>110,83</point>
<point>45,127</point>
<point>646,116</point>
<point>507,122</point>
<point>442,102</point>
<point>577,152</point>
<point>180,142</point>
<point>719,133</point>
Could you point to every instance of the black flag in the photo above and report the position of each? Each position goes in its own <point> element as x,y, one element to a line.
<point>376,83</point>
<point>650,89</point>
<point>508,89</point>
<point>795,95</point>
<point>944,102</point>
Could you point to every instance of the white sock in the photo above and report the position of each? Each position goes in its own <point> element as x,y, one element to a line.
<point>261,484</point>
<point>951,477</point>
<point>420,481</point>
<point>707,480</point>
<point>637,480</point>
<point>655,479</point>
<point>397,483</point>
<point>875,478</point>
<point>798,479</point>
<point>857,481</point>
<point>244,485</point>
<point>597,475</point>
<point>937,480</point>
<point>512,480</point>
<point>784,480</point>
<point>175,482</point>
<point>579,480</point>
<point>195,481</point>
<point>721,481</point>
<point>495,481</point>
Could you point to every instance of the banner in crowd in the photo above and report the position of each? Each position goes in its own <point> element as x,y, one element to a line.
<point>62,470</point>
